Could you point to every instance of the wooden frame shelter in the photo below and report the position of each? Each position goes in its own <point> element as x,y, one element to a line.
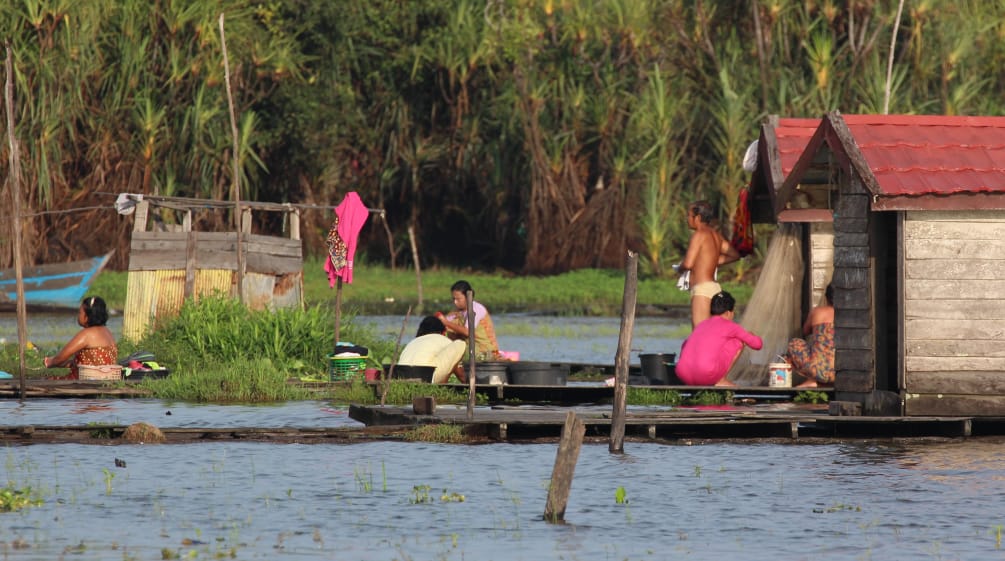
<point>168,265</point>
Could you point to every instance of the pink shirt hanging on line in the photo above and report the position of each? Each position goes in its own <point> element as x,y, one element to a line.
<point>352,214</point>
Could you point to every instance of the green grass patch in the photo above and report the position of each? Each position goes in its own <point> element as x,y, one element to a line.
<point>647,396</point>
<point>399,392</point>
<point>242,380</point>
<point>219,351</point>
<point>377,290</point>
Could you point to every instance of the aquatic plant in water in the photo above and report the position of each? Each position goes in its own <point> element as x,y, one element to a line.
<point>620,496</point>
<point>13,499</point>
<point>420,495</point>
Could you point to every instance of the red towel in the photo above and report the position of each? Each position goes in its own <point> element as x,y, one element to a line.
<point>350,215</point>
<point>743,226</point>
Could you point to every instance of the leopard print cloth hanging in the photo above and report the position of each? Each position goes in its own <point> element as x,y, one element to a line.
<point>337,250</point>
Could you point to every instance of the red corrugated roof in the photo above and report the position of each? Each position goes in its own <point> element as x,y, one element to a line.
<point>792,135</point>
<point>913,155</point>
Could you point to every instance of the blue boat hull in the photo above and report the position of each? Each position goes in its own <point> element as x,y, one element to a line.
<point>60,285</point>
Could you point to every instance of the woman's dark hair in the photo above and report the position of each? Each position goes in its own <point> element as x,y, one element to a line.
<point>703,210</point>
<point>722,302</point>
<point>95,311</point>
<point>462,286</point>
<point>829,294</point>
<point>430,324</point>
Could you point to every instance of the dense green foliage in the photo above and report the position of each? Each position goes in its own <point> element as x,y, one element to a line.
<point>530,135</point>
<point>220,351</point>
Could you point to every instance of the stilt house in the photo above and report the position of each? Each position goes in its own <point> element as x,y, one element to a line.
<point>917,208</point>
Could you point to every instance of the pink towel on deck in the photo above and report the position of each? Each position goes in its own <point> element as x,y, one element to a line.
<point>352,214</point>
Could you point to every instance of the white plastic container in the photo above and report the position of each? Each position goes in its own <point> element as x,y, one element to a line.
<point>780,375</point>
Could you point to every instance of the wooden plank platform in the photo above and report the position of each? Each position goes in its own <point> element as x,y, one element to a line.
<point>572,394</point>
<point>599,393</point>
<point>514,423</point>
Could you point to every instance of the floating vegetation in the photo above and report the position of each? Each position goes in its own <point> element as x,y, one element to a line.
<point>420,495</point>
<point>810,396</point>
<point>101,430</point>
<point>440,432</point>
<point>838,508</point>
<point>143,433</point>
<point>451,497</point>
<point>13,499</point>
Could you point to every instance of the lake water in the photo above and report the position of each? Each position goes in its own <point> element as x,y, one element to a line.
<point>400,501</point>
<point>589,340</point>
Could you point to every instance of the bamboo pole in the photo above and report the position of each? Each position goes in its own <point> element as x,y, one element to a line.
<point>889,61</point>
<point>338,313</point>
<point>565,466</point>
<point>385,382</point>
<point>469,296</point>
<point>418,269</point>
<point>14,186</point>
<point>236,158</point>
<point>617,444</point>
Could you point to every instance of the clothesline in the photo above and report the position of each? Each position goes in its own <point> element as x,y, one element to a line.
<point>188,203</point>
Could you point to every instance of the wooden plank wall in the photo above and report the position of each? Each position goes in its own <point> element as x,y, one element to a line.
<point>854,333</point>
<point>954,313</point>
<point>151,251</point>
<point>821,259</point>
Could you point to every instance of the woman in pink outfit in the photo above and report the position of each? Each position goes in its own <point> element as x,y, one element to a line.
<point>714,345</point>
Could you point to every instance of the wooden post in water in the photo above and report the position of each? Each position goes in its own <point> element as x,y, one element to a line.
<point>565,467</point>
<point>469,297</point>
<point>617,444</point>
<point>14,186</point>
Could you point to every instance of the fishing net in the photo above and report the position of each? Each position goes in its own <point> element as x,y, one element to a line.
<point>774,309</point>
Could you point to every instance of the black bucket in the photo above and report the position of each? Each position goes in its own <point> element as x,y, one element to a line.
<point>658,367</point>
<point>406,372</point>
<point>538,374</point>
<point>495,373</point>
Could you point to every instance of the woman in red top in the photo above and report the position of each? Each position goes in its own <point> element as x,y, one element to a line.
<point>94,345</point>
<point>714,345</point>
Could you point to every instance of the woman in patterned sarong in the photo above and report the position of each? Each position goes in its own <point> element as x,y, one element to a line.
<point>94,345</point>
<point>813,357</point>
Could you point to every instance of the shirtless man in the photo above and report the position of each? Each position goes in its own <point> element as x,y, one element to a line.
<point>706,250</point>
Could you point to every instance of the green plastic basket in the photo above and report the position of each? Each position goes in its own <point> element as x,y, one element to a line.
<point>345,368</point>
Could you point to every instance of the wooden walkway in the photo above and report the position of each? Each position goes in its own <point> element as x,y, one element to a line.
<point>789,421</point>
